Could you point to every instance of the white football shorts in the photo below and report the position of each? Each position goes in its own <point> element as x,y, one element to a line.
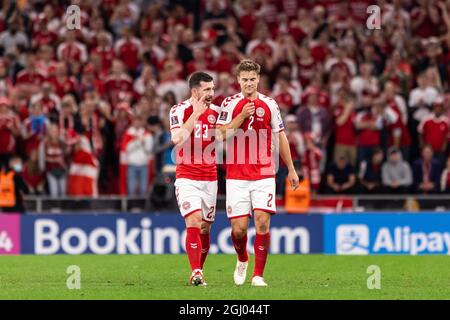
<point>193,196</point>
<point>245,195</point>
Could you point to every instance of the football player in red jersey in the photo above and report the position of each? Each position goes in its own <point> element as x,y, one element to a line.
<point>252,125</point>
<point>192,125</point>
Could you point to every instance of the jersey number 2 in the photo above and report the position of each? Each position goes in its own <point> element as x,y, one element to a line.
<point>269,201</point>
<point>251,122</point>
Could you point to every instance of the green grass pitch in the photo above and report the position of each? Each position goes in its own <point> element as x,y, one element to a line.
<point>165,277</point>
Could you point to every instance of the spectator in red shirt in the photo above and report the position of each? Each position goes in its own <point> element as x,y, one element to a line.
<point>262,44</point>
<point>229,57</point>
<point>90,81</point>
<point>358,10</point>
<point>369,123</point>
<point>180,16</point>
<point>340,60</point>
<point>46,63</point>
<point>9,131</point>
<point>425,19</point>
<point>71,51</point>
<point>284,96</point>
<point>50,102</point>
<point>129,49</point>
<point>69,120</point>
<point>247,17</point>
<point>307,66</point>
<point>52,157</point>
<point>122,117</point>
<point>434,130</point>
<point>344,129</point>
<point>62,82</point>
<point>301,26</point>
<point>208,43</point>
<point>397,131</point>
<point>118,84</point>
<point>32,174</point>
<point>320,48</point>
<point>104,50</point>
<point>30,79</point>
<point>43,36</point>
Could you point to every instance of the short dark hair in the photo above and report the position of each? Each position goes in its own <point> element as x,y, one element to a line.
<point>197,77</point>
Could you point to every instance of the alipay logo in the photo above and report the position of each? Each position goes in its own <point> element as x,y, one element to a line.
<point>352,239</point>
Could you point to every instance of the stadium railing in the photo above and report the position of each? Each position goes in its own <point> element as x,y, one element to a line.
<point>330,204</point>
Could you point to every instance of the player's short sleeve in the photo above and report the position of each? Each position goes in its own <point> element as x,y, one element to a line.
<point>176,116</point>
<point>276,122</point>
<point>226,113</point>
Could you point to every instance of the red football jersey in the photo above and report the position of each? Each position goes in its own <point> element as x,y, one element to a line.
<point>249,154</point>
<point>196,158</point>
<point>107,56</point>
<point>344,134</point>
<point>435,131</point>
<point>129,51</point>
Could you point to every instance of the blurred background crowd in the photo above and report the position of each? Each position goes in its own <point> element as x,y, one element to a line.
<point>85,112</point>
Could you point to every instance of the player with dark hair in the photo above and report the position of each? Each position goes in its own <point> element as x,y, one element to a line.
<point>191,124</point>
<point>250,181</point>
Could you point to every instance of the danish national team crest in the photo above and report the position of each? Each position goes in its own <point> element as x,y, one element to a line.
<point>186,205</point>
<point>211,119</point>
<point>174,120</point>
<point>260,112</point>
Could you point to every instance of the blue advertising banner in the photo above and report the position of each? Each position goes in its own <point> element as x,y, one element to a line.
<point>155,234</point>
<point>376,233</point>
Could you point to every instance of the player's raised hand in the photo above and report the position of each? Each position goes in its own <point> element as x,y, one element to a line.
<point>248,110</point>
<point>198,105</point>
<point>293,179</point>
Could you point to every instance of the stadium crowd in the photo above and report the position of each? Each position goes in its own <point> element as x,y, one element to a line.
<point>87,109</point>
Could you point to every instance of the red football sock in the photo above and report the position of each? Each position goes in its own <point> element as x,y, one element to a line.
<point>193,247</point>
<point>262,244</point>
<point>205,248</point>
<point>240,245</point>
